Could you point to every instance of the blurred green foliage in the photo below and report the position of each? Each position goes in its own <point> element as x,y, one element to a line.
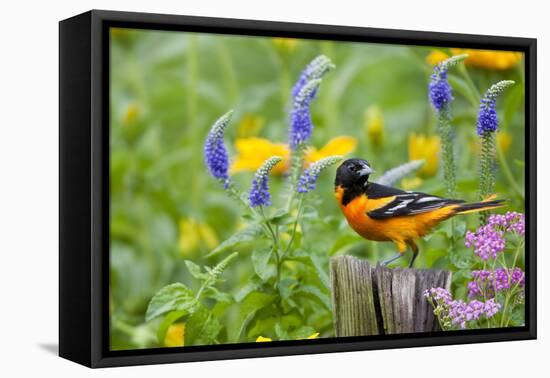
<point>168,214</point>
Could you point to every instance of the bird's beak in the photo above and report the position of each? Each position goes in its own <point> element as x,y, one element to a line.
<point>366,171</point>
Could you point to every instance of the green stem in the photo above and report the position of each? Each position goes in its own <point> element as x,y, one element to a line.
<point>201,289</point>
<point>512,291</point>
<point>445,133</point>
<point>275,246</point>
<point>509,295</point>
<point>295,226</point>
<point>486,174</point>
<point>296,163</point>
<point>449,165</point>
<point>508,173</point>
<point>519,248</point>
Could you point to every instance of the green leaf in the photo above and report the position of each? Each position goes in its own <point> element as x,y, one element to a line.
<point>302,333</point>
<point>281,217</point>
<point>202,328</point>
<point>174,297</point>
<point>247,310</point>
<point>168,320</point>
<point>262,327</point>
<point>260,260</point>
<point>253,284</point>
<point>286,287</point>
<point>313,261</point>
<point>249,217</point>
<point>314,293</point>
<point>195,270</point>
<point>250,233</point>
<point>280,332</point>
<point>460,228</point>
<point>213,293</point>
<point>517,315</point>
<point>461,259</point>
<point>318,262</point>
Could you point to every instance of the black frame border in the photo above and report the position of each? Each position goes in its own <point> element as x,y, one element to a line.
<point>100,22</point>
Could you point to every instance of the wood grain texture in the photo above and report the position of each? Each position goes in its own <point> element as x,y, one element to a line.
<point>377,300</point>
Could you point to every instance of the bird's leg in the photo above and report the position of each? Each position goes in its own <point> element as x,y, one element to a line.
<point>401,247</point>
<point>414,248</point>
<point>392,259</point>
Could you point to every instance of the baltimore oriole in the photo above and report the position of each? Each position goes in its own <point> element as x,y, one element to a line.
<point>381,213</point>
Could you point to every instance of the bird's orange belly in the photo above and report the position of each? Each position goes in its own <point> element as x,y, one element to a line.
<point>391,229</point>
<point>397,229</point>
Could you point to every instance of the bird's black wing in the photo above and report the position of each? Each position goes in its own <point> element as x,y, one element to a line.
<point>404,203</point>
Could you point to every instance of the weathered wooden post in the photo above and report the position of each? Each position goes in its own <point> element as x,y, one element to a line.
<point>377,300</point>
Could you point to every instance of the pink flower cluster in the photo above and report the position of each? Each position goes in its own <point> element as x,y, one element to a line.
<point>489,240</point>
<point>487,283</point>
<point>511,222</point>
<point>458,312</point>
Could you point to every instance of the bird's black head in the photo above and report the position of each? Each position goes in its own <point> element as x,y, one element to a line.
<point>353,173</point>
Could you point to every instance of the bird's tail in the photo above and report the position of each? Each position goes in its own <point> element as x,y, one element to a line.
<point>487,204</point>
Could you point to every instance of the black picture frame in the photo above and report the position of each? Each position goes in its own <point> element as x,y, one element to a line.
<point>84,186</point>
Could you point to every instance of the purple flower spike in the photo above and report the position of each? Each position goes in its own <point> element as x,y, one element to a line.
<point>316,69</point>
<point>259,193</point>
<point>308,179</point>
<point>215,152</point>
<point>303,92</point>
<point>440,90</point>
<point>487,120</point>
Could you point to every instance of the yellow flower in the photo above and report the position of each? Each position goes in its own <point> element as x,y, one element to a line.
<point>426,148</point>
<point>374,124</point>
<point>130,114</point>
<point>494,60</point>
<point>193,234</point>
<point>504,141</point>
<point>175,335</point>
<point>411,183</point>
<point>285,44</point>
<point>262,339</point>
<point>489,59</point>
<point>250,125</point>
<point>341,145</point>
<point>435,57</point>
<point>252,152</point>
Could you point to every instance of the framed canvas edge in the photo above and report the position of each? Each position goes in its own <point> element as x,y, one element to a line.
<point>101,357</point>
